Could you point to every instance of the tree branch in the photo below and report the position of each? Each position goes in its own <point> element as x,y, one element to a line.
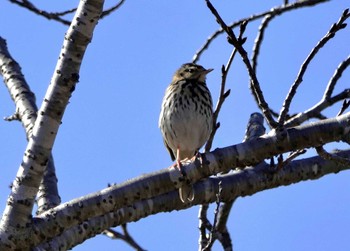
<point>258,40</point>
<point>255,129</point>
<point>278,10</point>
<point>16,220</point>
<point>203,220</point>
<point>326,101</point>
<point>57,16</point>
<point>112,9</point>
<point>249,153</point>
<point>125,236</point>
<point>254,83</point>
<point>330,34</point>
<point>239,183</point>
<point>336,76</point>
<point>18,88</point>
<point>223,93</point>
<point>204,225</point>
<point>26,112</point>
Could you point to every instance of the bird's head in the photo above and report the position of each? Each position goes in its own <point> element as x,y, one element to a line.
<point>191,71</point>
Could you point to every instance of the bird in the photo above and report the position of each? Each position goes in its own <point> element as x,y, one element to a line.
<point>186,117</point>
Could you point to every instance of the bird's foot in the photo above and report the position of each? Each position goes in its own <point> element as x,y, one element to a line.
<point>186,193</point>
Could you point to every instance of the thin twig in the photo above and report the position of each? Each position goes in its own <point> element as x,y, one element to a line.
<point>254,83</point>
<point>223,93</point>
<point>345,106</point>
<point>57,16</point>
<point>203,220</point>
<point>278,10</point>
<point>291,157</point>
<point>63,13</point>
<point>258,40</point>
<point>50,16</point>
<point>327,100</point>
<point>330,34</point>
<point>255,128</point>
<point>315,111</point>
<point>125,236</point>
<point>336,76</point>
<point>112,9</point>
<point>212,236</point>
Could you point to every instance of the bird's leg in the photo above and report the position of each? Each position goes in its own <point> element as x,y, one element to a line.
<point>177,164</point>
<point>178,161</point>
<point>186,193</point>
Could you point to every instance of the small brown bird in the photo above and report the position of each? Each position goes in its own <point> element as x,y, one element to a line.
<point>186,116</point>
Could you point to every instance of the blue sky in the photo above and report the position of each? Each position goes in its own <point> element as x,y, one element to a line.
<point>110,131</point>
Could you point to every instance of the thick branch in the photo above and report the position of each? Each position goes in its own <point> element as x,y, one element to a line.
<point>237,184</point>
<point>248,153</point>
<point>18,88</point>
<point>26,112</point>
<point>17,214</point>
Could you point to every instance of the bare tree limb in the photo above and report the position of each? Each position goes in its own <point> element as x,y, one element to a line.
<point>278,10</point>
<point>239,183</point>
<point>26,112</point>
<point>112,9</point>
<point>336,76</point>
<point>204,225</point>
<point>203,220</point>
<point>290,157</point>
<point>213,237</point>
<point>143,189</point>
<point>326,101</point>
<point>330,34</point>
<point>346,104</point>
<point>16,221</point>
<point>255,129</point>
<point>58,16</point>
<point>125,236</point>
<point>315,111</point>
<point>254,83</point>
<point>48,196</point>
<point>18,88</point>
<point>223,93</point>
<point>258,40</point>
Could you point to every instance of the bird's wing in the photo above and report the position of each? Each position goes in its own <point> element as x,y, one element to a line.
<point>172,156</point>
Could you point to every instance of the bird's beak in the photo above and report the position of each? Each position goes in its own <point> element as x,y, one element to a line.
<point>207,71</point>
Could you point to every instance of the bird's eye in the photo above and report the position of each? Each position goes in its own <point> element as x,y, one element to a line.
<point>189,70</point>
